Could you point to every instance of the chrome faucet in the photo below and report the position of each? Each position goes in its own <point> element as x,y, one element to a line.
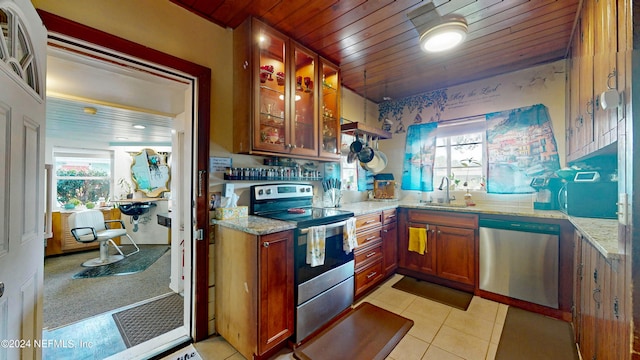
<point>447,199</point>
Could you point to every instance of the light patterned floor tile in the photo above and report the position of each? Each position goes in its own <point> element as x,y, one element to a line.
<point>491,353</point>
<point>466,346</point>
<point>424,306</point>
<point>394,297</point>
<point>409,348</point>
<point>394,308</point>
<point>435,353</point>
<point>497,332</point>
<point>502,313</point>
<point>483,308</point>
<point>470,324</point>
<point>214,348</point>
<point>425,324</point>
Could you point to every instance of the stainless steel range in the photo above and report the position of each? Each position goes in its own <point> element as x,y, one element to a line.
<point>324,291</point>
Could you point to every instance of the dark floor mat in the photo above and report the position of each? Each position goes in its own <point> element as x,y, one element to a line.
<point>366,333</point>
<point>131,264</point>
<point>442,294</point>
<point>528,335</point>
<point>141,323</point>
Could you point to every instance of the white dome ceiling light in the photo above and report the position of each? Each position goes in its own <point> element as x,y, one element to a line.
<point>444,36</point>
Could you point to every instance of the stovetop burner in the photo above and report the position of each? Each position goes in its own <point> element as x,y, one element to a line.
<point>315,215</point>
<point>276,201</point>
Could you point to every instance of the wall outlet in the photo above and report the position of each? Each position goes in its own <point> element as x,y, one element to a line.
<point>622,209</point>
<point>227,190</point>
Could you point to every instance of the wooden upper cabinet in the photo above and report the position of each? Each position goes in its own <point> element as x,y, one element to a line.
<point>593,69</point>
<point>277,91</point>
<point>329,92</point>
<point>304,114</point>
<point>586,101</point>
<point>605,75</point>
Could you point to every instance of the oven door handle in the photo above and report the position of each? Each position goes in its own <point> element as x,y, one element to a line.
<point>330,226</point>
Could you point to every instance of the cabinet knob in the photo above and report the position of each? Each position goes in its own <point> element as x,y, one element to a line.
<point>265,244</point>
<point>439,232</point>
<point>245,65</point>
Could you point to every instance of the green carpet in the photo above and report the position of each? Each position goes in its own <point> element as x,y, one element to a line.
<point>132,264</point>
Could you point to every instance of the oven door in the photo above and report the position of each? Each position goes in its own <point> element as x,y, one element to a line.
<point>334,255</point>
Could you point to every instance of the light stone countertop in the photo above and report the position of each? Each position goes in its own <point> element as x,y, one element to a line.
<point>255,225</point>
<point>601,233</point>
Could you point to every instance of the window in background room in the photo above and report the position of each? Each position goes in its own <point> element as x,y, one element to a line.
<point>460,149</point>
<point>349,169</point>
<point>82,176</point>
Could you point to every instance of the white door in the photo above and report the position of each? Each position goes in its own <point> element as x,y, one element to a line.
<point>22,128</point>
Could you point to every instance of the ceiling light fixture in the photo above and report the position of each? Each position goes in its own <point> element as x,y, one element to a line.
<point>139,127</point>
<point>446,35</point>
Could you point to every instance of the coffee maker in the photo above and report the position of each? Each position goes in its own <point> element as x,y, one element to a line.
<point>546,192</point>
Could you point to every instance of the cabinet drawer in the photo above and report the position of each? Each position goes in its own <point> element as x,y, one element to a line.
<point>368,276</point>
<point>368,221</point>
<point>367,254</point>
<point>446,218</point>
<point>389,216</point>
<point>368,236</point>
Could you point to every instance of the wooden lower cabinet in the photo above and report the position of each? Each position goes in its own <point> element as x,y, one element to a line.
<point>62,240</point>
<point>600,320</point>
<point>254,283</point>
<point>376,254</point>
<point>390,248</point>
<point>450,250</point>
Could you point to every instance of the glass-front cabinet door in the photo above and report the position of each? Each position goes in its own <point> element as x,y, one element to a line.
<point>271,108</point>
<point>304,119</point>
<point>329,110</point>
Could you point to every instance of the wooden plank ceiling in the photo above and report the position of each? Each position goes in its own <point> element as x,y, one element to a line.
<point>378,36</point>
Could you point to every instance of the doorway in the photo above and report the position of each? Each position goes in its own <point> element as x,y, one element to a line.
<point>97,80</point>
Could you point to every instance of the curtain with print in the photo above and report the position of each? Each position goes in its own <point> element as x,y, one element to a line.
<point>419,157</point>
<point>520,146</point>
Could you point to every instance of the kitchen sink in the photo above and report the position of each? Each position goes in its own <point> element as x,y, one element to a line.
<point>442,205</point>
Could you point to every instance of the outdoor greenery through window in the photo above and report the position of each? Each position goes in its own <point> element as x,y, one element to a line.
<point>82,177</point>
<point>460,154</point>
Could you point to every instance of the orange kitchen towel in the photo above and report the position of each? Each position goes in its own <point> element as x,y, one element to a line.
<point>418,240</point>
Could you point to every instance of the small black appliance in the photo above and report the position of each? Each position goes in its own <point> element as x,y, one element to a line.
<point>547,190</point>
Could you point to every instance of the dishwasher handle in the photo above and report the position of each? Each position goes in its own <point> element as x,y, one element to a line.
<point>530,227</point>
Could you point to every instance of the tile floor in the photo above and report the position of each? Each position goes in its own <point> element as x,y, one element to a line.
<point>439,331</point>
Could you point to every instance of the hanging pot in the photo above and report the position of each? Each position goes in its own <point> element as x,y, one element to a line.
<point>366,154</point>
<point>356,145</point>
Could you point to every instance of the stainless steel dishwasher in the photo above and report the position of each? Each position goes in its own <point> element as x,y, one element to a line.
<point>520,260</point>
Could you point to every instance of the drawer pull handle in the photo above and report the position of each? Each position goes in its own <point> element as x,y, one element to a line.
<point>370,238</point>
<point>369,222</point>
<point>372,275</point>
<point>390,216</point>
<point>371,254</point>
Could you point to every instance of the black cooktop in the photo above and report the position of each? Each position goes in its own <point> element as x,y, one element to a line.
<point>311,216</point>
<point>294,203</point>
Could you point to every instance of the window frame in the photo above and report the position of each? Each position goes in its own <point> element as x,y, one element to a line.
<point>80,153</point>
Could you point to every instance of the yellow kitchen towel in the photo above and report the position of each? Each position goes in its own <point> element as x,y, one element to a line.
<point>418,240</point>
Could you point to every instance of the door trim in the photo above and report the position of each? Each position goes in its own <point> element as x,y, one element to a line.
<point>63,26</point>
